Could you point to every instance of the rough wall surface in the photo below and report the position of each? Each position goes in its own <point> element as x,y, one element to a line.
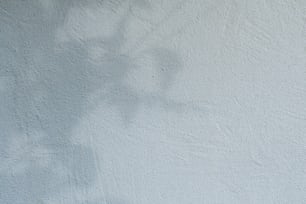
<point>152,101</point>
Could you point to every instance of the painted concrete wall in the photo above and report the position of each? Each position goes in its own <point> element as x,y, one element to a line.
<point>152,102</point>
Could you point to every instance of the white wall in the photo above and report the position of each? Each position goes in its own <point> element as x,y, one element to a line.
<point>152,101</point>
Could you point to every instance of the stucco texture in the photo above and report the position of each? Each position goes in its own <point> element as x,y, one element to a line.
<point>152,101</point>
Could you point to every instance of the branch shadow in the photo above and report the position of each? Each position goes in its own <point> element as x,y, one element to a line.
<point>44,95</point>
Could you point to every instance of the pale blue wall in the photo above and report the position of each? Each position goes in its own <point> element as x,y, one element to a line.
<point>152,101</point>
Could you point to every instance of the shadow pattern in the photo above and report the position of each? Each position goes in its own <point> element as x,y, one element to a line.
<point>44,94</point>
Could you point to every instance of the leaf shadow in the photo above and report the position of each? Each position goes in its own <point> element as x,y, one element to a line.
<point>48,97</point>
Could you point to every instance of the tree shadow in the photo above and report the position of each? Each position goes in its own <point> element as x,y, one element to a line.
<point>46,91</point>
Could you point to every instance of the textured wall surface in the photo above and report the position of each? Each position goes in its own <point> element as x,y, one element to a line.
<point>152,101</point>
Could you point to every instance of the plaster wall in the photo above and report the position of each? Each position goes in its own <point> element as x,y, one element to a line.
<point>152,102</point>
